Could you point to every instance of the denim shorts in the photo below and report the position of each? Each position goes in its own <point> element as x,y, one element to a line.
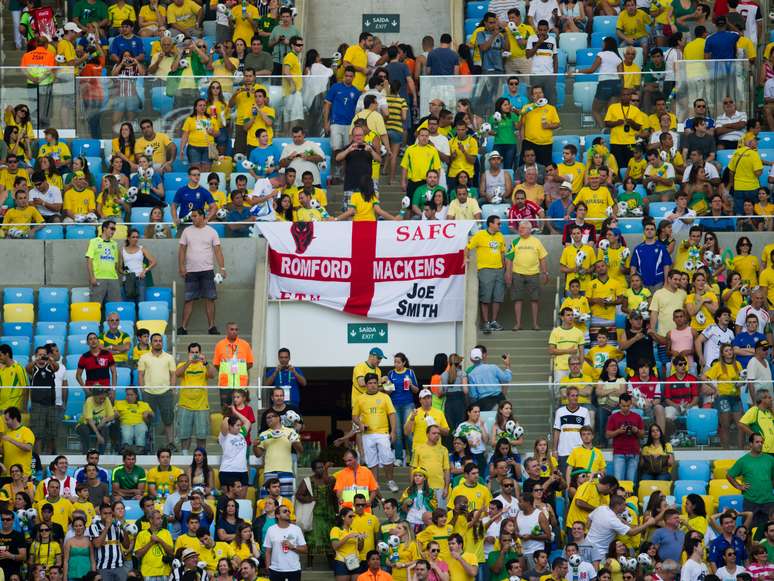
<point>395,136</point>
<point>200,285</point>
<point>197,155</point>
<point>607,90</point>
<point>727,404</point>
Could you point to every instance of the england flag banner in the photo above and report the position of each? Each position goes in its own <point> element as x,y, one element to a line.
<point>397,271</point>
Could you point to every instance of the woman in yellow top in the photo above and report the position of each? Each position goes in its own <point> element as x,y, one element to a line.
<point>110,202</point>
<point>732,295</point>
<point>656,456</point>
<point>19,116</point>
<point>723,376</point>
<point>545,459</point>
<point>133,416</point>
<point>16,144</point>
<point>616,550</point>
<point>152,18</point>
<point>364,205</point>
<point>199,131</point>
<point>48,167</point>
<point>346,543</point>
<point>408,554</point>
<point>283,209</point>
<point>43,550</point>
<point>696,514</point>
<point>213,185</point>
<point>18,483</point>
<point>745,262</point>
<point>244,545</point>
<point>613,254</point>
<point>123,147</point>
<point>702,303</point>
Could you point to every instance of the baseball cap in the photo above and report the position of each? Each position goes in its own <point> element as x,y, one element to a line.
<point>476,354</point>
<point>493,153</point>
<point>594,172</point>
<point>377,352</point>
<point>79,174</point>
<point>721,21</point>
<point>188,553</point>
<point>762,344</point>
<point>4,496</point>
<point>567,185</point>
<point>72,27</point>
<point>425,393</point>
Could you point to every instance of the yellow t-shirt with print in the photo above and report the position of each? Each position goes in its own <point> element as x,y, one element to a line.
<point>420,424</point>
<point>291,81</point>
<point>19,218</point>
<point>580,303</point>
<point>525,31</point>
<point>744,163</point>
<point>533,123</point>
<point>364,210</point>
<point>87,508</point>
<point>610,289</point>
<point>193,392</point>
<point>319,194</point>
<point>117,14</point>
<point>148,15</point>
<point>366,524</point>
<point>576,172</point>
<point>585,459</point>
<point>526,254</point>
<point>198,127</point>
<point>159,144</point>
<point>63,510</point>
<point>348,548</point>
<point>568,259</point>
<point>45,553</point>
<point>131,414</point>
<point>188,541</point>
<point>67,50</point>
<point>259,123</point>
<point>618,134</point>
<point>490,249</point>
<point>418,160</point>
<point>633,26</point>
<point>459,162</point>
<point>748,267</point>
<point>357,57</point>
<point>723,375</point>
<point>767,279</point>
<point>184,16</point>
<point>243,23</point>
<point>598,201</point>
<point>374,411</point>
<point>635,169</point>
<point>634,298</point>
<point>562,338</point>
<point>708,316</point>
<point>13,454</point>
<point>220,550</point>
<point>598,355</point>
<point>361,370</point>
<point>165,481</point>
<point>615,264</point>
<point>96,412</point>
<point>588,493</point>
<point>80,202</point>
<point>152,564</point>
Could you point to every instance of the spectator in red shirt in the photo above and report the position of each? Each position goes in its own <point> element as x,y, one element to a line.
<point>98,364</point>
<point>650,388</point>
<point>524,209</point>
<point>680,390</point>
<point>625,428</point>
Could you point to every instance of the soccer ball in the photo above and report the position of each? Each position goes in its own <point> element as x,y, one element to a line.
<point>485,128</point>
<point>30,514</point>
<point>405,203</point>
<point>239,76</point>
<point>700,318</point>
<point>644,560</point>
<point>745,289</point>
<point>15,233</point>
<point>323,165</point>
<point>167,33</point>
<point>131,529</point>
<point>393,541</point>
<point>623,207</point>
<point>183,63</point>
<point>743,375</point>
<point>60,58</point>
<point>609,211</point>
<point>315,204</point>
<point>218,278</point>
<point>510,426</point>
<point>239,157</point>
<point>626,516</point>
<point>336,57</point>
<point>221,214</point>
<point>201,564</point>
<point>717,261</point>
<point>131,194</point>
<point>179,38</point>
<point>222,8</point>
<point>383,548</point>
<point>176,563</point>
<point>158,231</point>
<point>631,564</point>
<point>604,244</point>
<point>541,102</point>
<point>580,258</point>
<point>689,265</point>
<point>624,561</point>
<point>248,165</point>
<point>637,211</point>
<point>518,432</point>
<point>625,253</point>
<point>149,150</point>
<point>293,436</point>
<point>575,561</point>
<point>292,417</point>
<point>708,256</point>
<point>583,317</point>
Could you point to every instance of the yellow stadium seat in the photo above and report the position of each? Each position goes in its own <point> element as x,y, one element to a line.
<point>215,420</point>
<point>648,487</point>
<point>80,312</point>
<point>720,468</point>
<point>19,313</point>
<point>627,485</point>
<point>159,327</point>
<point>709,503</point>
<point>721,487</point>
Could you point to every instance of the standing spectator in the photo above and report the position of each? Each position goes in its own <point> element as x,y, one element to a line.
<point>199,249</point>
<point>433,457</point>
<point>417,162</point>
<point>153,547</point>
<point>710,341</point>
<point>103,263</point>
<point>756,469</point>
<point>606,524</point>
<point>375,415</point>
<point>156,374</point>
<point>279,40</point>
<point>233,358</point>
<point>760,420</point>
<point>759,370</point>
<point>193,408</point>
<point>663,305</point>
<point>15,552</point>
<point>293,103</point>
<point>745,167</point>
<point>541,50</point>
<point>108,539</point>
<point>423,417</point>
<point>591,495</point>
<point>284,542</point>
<point>485,380</point>
<point>491,43</point>
<point>338,112</point>
<point>525,262</point>
<point>192,197</point>
<point>278,405</point>
<point>490,249</point>
<point>537,124</point>
<point>274,445</point>
<point>651,259</point>
<point>233,464</point>
<point>98,364</point>
<point>568,421</point>
<point>17,440</point>
<point>565,341</point>
<point>625,428</point>
<point>43,410</point>
<point>354,479</point>
<point>443,60</point>
<point>625,121</point>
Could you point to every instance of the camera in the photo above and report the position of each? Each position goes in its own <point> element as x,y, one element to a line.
<point>627,128</point>
<point>361,146</point>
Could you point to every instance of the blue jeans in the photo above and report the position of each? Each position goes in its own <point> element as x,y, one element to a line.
<point>625,466</point>
<point>402,442</point>
<point>508,151</point>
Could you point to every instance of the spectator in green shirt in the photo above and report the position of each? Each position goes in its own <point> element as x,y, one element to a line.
<point>103,262</point>
<point>757,472</point>
<point>421,197</point>
<point>128,479</point>
<point>90,12</point>
<point>497,559</point>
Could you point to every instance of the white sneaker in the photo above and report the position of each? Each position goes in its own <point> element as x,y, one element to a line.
<point>398,462</point>
<point>392,486</point>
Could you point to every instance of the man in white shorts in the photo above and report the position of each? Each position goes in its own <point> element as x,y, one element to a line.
<point>375,416</point>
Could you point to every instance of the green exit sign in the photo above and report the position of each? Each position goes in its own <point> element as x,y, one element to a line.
<point>367,333</point>
<point>376,23</point>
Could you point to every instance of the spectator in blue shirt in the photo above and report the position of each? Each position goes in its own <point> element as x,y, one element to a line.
<point>699,112</point>
<point>512,91</point>
<point>669,538</point>
<point>721,46</point>
<point>126,41</point>
<point>339,109</point>
<point>192,196</point>
<point>260,155</point>
<point>744,342</point>
<point>443,61</point>
<point>485,380</point>
<point>558,209</point>
<point>726,539</point>
<point>717,220</point>
<point>239,213</point>
<point>650,258</point>
<point>491,44</point>
<point>288,377</point>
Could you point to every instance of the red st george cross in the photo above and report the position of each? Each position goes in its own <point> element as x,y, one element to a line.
<point>363,269</point>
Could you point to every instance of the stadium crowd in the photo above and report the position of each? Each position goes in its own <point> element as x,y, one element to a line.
<point>649,334</point>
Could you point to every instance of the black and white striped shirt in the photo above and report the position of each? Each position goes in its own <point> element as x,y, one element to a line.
<point>198,574</point>
<point>109,556</point>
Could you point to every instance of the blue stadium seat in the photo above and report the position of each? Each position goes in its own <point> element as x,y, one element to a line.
<point>631,226</point>
<point>589,139</point>
<point>39,340</point>
<point>50,295</point>
<point>17,329</point>
<point>685,487</point>
<point>572,42</point>
<point>50,232</point>
<point>159,99</point>
<point>583,95</point>
<point>597,39</point>
<point>140,216</point>
<point>124,376</point>
<point>585,57</point>
<point>498,210</point>
<point>180,165</point>
<point>766,155</point>
<point>126,310</point>
<point>605,25</point>
<point>174,180</point>
<point>77,344</point>
<point>159,293</point>
<point>660,209</point>
<point>18,296</point>
<point>766,139</point>
<point>76,397</point>
<point>702,424</point>
<point>219,228</point>
<point>86,147</point>
<point>147,48</point>
<point>470,25</point>
<point>730,502</point>
<point>83,328</point>
<point>153,311</point>
<point>476,9</point>
<point>694,470</point>
<point>52,328</point>
<point>21,345</point>
<point>53,313</point>
<point>71,362</point>
<point>724,156</point>
<point>80,294</point>
<point>80,232</point>
<point>133,510</point>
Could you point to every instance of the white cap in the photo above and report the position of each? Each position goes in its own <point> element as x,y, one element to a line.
<point>493,153</point>
<point>425,393</point>
<point>476,354</point>
<point>567,185</point>
<point>72,27</point>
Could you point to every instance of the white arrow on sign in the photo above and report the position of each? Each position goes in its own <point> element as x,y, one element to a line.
<point>368,23</point>
<point>353,333</point>
<point>395,23</point>
<point>382,333</point>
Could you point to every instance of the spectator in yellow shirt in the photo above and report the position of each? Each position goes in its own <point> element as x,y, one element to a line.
<point>464,150</point>
<point>17,219</point>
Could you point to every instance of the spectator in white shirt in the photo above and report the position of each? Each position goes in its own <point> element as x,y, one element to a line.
<point>730,125</point>
<point>759,370</point>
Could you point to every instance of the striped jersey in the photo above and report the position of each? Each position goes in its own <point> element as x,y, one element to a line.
<point>109,556</point>
<point>395,105</point>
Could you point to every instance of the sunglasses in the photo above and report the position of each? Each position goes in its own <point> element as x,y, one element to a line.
<point>509,486</point>
<point>43,530</point>
<point>435,550</point>
<point>7,518</point>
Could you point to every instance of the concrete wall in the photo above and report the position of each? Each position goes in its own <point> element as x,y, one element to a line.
<point>341,21</point>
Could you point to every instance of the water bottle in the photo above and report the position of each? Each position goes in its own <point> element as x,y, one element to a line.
<point>406,383</point>
<point>244,8</point>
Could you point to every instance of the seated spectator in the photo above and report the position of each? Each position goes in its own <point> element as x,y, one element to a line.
<point>656,456</point>
<point>128,480</point>
<point>17,219</point>
<point>98,419</point>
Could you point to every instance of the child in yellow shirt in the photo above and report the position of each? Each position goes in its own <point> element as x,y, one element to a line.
<point>601,352</point>
<point>83,504</point>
